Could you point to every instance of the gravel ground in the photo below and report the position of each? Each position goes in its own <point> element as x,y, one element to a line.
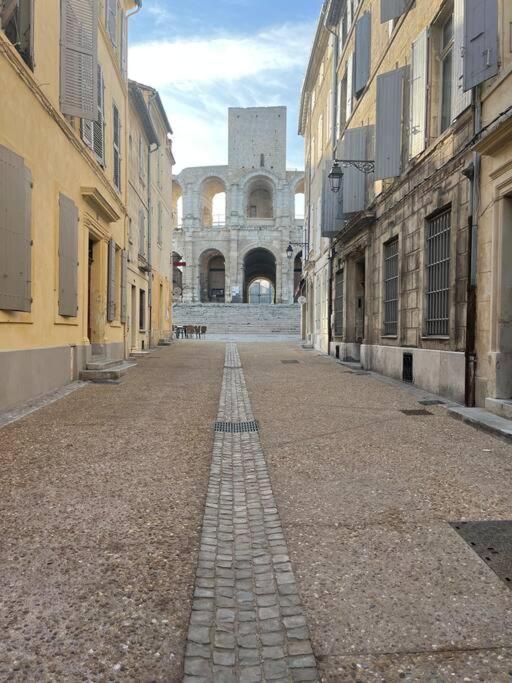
<point>366,495</point>
<point>101,502</point>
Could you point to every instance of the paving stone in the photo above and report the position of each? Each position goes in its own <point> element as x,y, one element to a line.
<point>195,650</point>
<point>275,638</point>
<point>223,639</point>
<point>305,675</point>
<point>299,647</point>
<point>224,674</point>
<point>249,656</point>
<point>251,674</point>
<point>275,669</point>
<point>301,662</point>
<point>268,613</point>
<point>273,652</point>
<point>199,634</point>
<point>224,657</point>
<point>197,666</point>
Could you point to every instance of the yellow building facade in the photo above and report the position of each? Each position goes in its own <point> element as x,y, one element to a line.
<point>63,190</point>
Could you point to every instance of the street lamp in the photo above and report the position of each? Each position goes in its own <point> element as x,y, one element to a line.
<point>336,174</point>
<point>289,251</point>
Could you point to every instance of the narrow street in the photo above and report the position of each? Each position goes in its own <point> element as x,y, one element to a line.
<point>137,528</point>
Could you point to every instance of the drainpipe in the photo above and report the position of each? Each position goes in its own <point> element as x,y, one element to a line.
<point>334,116</point>
<point>136,10</point>
<point>152,148</point>
<point>472,172</point>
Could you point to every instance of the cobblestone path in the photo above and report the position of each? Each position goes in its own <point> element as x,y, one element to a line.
<point>247,623</point>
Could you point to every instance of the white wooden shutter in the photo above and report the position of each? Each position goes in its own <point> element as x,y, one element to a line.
<point>329,206</point>
<point>460,100</point>
<point>356,144</point>
<point>15,232</point>
<point>388,147</point>
<point>417,128</point>
<point>86,129</point>
<point>124,284</point>
<point>68,257</point>
<point>480,41</point>
<point>111,19</point>
<point>350,73</point>
<point>363,52</point>
<point>99,124</point>
<point>79,58</point>
<point>392,9</point>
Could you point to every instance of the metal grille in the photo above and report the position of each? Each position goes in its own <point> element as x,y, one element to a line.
<point>492,541</point>
<point>391,287</point>
<point>338,304</point>
<point>237,427</point>
<point>438,274</point>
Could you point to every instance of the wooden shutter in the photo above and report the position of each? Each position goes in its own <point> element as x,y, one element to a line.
<point>392,9</point>
<point>111,19</point>
<point>117,146</point>
<point>480,41</point>
<point>390,92</point>
<point>68,257</point>
<point>362,52</point>
<point>124,284</point>
<point>79,58</point>
<point>26,30</point>
<point>111,284</point>
<point>417,128</point>
<point>460,99</point>
<point>357,143</point>
<point>99,124</point>
<point>142,233</point>
<point>330,213</point>
<point>124,44</point>
<point>350,82</point>
<point>15,232</point>
<point>86,129</point>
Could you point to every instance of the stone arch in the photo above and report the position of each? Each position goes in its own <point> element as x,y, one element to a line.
<point>213,202</point>
<point>212,276</point>
<point>299,199</point>
<point>260,194</point>
<point>259,263</point>
<point>177,204</point>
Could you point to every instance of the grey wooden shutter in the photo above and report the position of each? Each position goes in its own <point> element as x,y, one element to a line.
<point>86,128</point>
<point>111,19</point>
<point>480,41</point>
<point>362,52</point>
<point>357,143</point>
<point>15,232</point>
<point>116,146</point>
<point>26,30</point>
<point>124,284</point>
<point>79,58</point>
<point>68,257</point>
<point>417,129</point>
<point>124,44</point>
<point>331,215</point>
<point>350,85</point>
<point>111,284</point>
<point>388,150</point>
<point>460,100</point>
<point>99,124</point>
<point>392,9</point>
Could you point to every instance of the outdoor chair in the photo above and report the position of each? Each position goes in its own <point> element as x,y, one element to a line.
<point>189,331</point>
<point>203,331</point>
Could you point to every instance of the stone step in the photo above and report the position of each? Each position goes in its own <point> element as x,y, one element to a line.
<point>101,363</point>
<point>110,374</point>
<point>240,318</point>
<point>139,354</point>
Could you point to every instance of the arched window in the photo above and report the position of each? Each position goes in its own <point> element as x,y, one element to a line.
<point>299,200</point>
<point>260,198</point>
<point>212,276</point>
<point>213,203</point>
<point>177,204</point>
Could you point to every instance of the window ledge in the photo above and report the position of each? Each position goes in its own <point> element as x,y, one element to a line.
<point>435,337</point>
<point>389,336</point>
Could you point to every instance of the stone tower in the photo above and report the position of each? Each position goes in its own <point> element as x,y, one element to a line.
<point>238,220</point>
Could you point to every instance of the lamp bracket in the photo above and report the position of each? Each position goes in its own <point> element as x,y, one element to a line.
<point>364,165</point>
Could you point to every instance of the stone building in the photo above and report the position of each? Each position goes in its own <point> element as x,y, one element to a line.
<point>398,87</point>
<point>150,162</point>
<point>238,220</point>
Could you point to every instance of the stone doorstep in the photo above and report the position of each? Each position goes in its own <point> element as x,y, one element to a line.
<point>483,420</point>
<point>499,406</point>
<point>111,373</point>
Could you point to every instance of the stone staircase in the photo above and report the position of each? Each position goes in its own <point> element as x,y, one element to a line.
<point>105,371</point>
<point>254,319</point>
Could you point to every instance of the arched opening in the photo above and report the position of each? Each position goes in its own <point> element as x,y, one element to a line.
<point>297,276</point>
<point>213,203</point>
<point>177,205</point>
<point>299,200</point>
<point>260,198</point>
<point>177,276</point>
<point>212,277</point>
<point>261,291</point>
<point>259,265</point>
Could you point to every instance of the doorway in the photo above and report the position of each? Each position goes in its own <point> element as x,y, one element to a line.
<point>133,318</point>
<point>94,321</point>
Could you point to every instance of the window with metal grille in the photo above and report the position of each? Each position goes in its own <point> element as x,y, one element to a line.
<point>391,287</point>
<point>338,303</point>
<point>117,147</point>
<point>438,274</point>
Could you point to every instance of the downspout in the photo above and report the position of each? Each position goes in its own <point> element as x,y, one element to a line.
<point>472,172</point>
<point>152,148</point>
<point>334,116</point>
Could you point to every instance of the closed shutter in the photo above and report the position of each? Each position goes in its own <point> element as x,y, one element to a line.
<point>99,124</point>
<point>142,233</point>
<point>111,284</point>
<point>87,132</point>
<point>68,255</point>
<point>117,146</point>
<point>124,284</point>
<point>79,58</point>
<point>26,30</point>
<point>331,215</point>
<point>460,99</point>
<point>390,87</point>
<point>363,52</point>
<point>392,9</point>
<point>480,41</point>
<point>417,129</point>
<point>124,44</point>
<point>350,82</point>
<point>111,19</point>
<point>15,232</point>
<point>357,143</point>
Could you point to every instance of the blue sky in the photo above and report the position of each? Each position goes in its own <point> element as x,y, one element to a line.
<point>207,55</point>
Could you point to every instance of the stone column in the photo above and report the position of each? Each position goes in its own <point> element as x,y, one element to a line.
<point>188,272</point>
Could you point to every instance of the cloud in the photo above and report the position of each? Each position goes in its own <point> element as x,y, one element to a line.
<point>199,78</point>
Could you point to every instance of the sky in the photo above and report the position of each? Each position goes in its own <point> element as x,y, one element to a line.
<point>204,56</point>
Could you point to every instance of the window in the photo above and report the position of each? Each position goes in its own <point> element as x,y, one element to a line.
<point>142,159</point>
<point>339,293</point>
<point>438,274</point>
<point>142,310</point>
<point>117,146</point>
<point>142,233</point>
<point>111,15</point>
<point>391,287</point>
<point>446,72</point>
<point>17,21</point>
<point>160,227</point>
<point>320,138</point>
<point>93,132</point>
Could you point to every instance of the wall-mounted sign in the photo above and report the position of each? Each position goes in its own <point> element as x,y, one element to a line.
<point>178,264</point>
<point>302,300</point>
